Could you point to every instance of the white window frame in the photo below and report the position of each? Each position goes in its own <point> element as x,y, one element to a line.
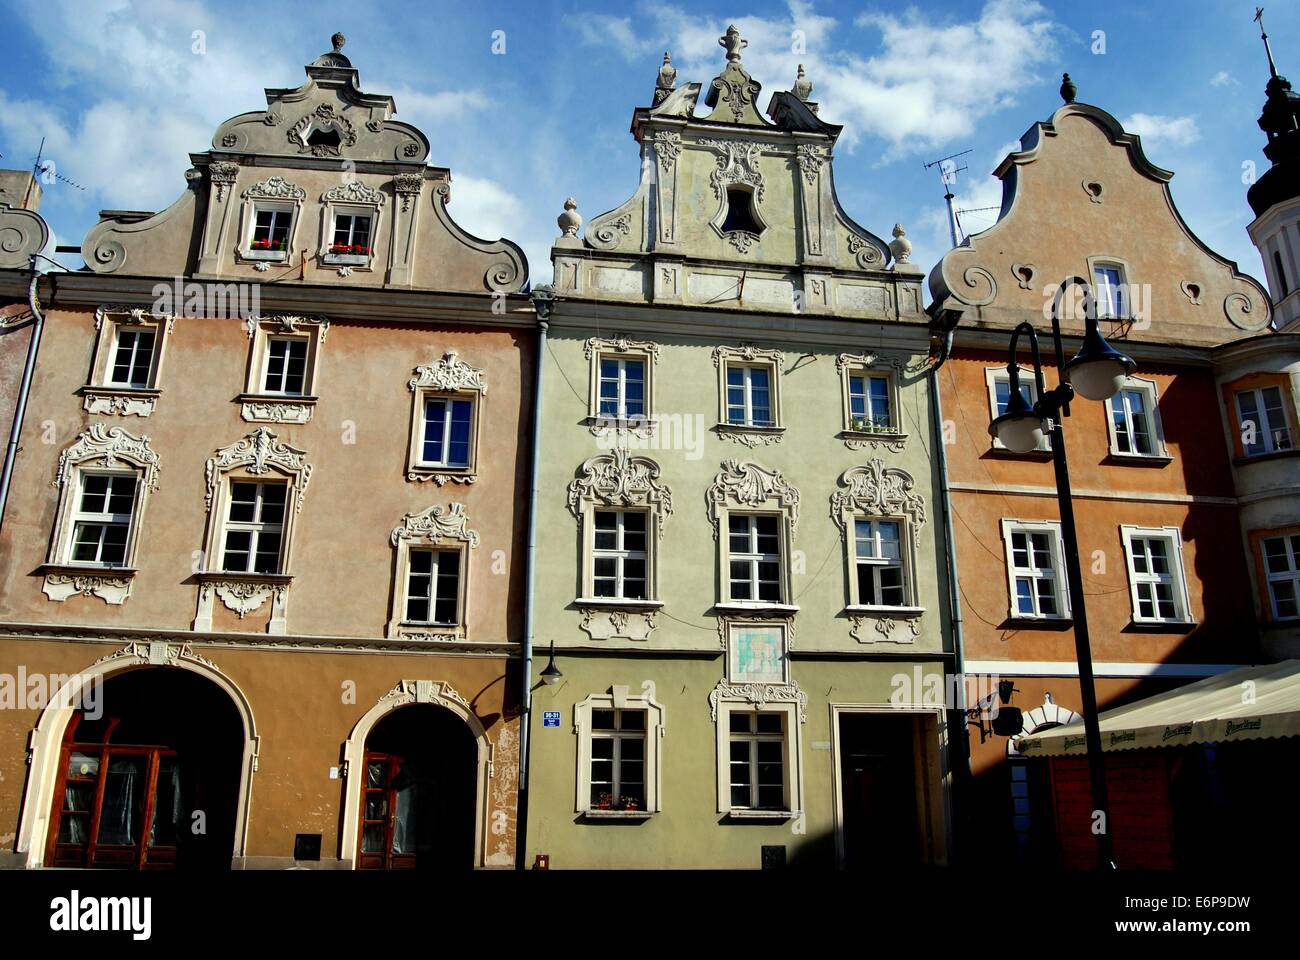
<point>856,601</point>
<point>437,553</point>
<point>1053,529</point>
<point>753,558</point>
<point>618,698</point>
<point>275,194</point>
<point>102,394</point>
<point>103,520</point>
<point>1155,430</point>
<point>995,375</point>
<point>444,529</point>
<point>620,348</point>
<point>1263,432</point>
<point>258,405</point>
<point>620,554</point>
<point>1292,575</point>
<point>750,488</point>
<point>792,757</point>
<point>282,391</point>
<point>868,366</point>
<point>449,400</point>
<point>255,528</point>
<point>137,331</point>
<point>1122,296</point>
<point>351,198</point>
<point>1177,578</point>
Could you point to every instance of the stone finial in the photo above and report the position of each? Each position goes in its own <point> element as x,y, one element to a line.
<point>338,40</point>
<point>664,83</point>
<point>900,246</point>
<point>1068,88</point>
<point>802,85</point>
<point>733,43</point>
<point>570,220</point>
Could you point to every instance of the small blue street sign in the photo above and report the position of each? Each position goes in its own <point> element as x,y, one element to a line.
<point>550,718</point>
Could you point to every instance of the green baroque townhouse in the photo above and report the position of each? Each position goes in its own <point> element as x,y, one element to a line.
<point>739,556</point>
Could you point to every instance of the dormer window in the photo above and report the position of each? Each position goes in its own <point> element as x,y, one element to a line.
<point>1110,291</point>
<point>350,225</point>
<point>328,139</point>
<point>269,216</point>
<point>271,228</point>
<point>351,234</point>
<point>740,212</point>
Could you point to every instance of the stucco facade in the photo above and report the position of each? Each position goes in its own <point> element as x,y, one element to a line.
<point>668,303</point>
<point>341,602</point>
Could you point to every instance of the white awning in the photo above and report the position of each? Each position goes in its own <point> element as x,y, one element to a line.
<point>1252,703</point>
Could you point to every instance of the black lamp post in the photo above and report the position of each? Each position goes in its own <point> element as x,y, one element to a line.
<point>551,675</point>
<point>1097,372</point>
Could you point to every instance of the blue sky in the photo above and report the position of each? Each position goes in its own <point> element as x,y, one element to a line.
<point>122,96</point>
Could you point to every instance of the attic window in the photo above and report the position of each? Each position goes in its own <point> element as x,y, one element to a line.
<point>740,212</point>
<point>324,138</point>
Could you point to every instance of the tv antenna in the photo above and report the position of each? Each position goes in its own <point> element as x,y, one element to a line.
<point>47,169</point>
<point>949,167</point>
<point>962,210</point>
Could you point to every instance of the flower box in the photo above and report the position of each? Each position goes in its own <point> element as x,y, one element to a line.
<point>350,259</point>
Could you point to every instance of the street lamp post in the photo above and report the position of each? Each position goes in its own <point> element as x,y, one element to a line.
<point>1097,372</point>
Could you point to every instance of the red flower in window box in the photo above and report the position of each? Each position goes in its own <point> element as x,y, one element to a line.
<point>605,801</point>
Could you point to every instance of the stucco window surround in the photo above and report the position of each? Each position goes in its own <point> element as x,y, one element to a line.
<point>281,379</point>
<point>995,376</point>
<point>1133,421</point>
<point>750,490</point>
<point>619,482</point>
<point>653,729</point>
<point>444,530</point>
<point>860,410</point>
<point>127,363</point>
<point>259,458</point>
<point>874,493</point>
<point>1276,555</point>
<point>621,352</point>
<point>274,197</point>
<point>739,185</point>
<point>1035,558</point>
<point>745,713</point>
<point>450,380</point>
<point>1261,408</point>
<point>108,459</point>
<point>742,424</point>
<point>1153,557</point>
<point>351,198</point>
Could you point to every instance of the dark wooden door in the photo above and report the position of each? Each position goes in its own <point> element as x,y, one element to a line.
<point>878,773</point>
<point>397,813</point>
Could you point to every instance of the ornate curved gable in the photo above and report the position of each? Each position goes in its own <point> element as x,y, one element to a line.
<point>1081,190</point>
<point>335,146</point>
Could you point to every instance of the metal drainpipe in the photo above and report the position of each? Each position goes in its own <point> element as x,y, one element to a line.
<point>11,451</point>
<point>541,298</point>
<point>958,742</point>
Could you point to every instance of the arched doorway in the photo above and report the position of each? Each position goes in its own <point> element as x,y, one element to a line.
<point>418,792</point>
<point>148,777</point>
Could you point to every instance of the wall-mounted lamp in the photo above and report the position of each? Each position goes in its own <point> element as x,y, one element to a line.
<point>552,675</point>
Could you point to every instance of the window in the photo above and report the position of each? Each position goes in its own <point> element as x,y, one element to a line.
<point>102,520</point>
<point>754,557</point>
<point>351,231</point>
<point>1262,418</point>
<point>447,432</point>
<point>622,388</point>
<point>1283,290</point>
<point>740,212</point>
<point>271,228</point>
<point>1109,293</point>
<point>619,555</point>
<point>878,560</point>
<point>749,396</point>
<point>618,760</point>
<point>286,366</point>
<point>1282,566</point>
<point>1034,570</point>
<point>1135,421</point>
<point>433,587</point>
<point>446,410</point>
<point>254,529</point>
<point>1155,572</point>
<point>869,402</point>
<point>618,755</point>
<point>756,753</point>
<point>999,385</point>
<point>133,356</point>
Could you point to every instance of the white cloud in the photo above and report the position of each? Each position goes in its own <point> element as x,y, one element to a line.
<point>1223,79</point>
<point>1175,131</point>
<point>601,29</point>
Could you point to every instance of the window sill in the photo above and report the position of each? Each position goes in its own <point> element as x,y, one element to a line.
<point>759,609</point>
<point>618,603</point>
<point>861,609</point>
<point>750,435</point>
<point>877,436</point>
<point>1038,454</point>
<point>64,580</point>
<point>270,579</point>
<point>734,814</point>
<point>1256,458</point>
<point>121,400</point>
<point>430,632</point>
<point>1139,459</point>
<point>275,256</point>
<point>617,814</point>
<point>641,426</point>
<point>1054,623</point>
<point>1161,626</point>
<point>422,473</point>
<point>86,569</point>
<point>346,259</point>
<point>275,407</point>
